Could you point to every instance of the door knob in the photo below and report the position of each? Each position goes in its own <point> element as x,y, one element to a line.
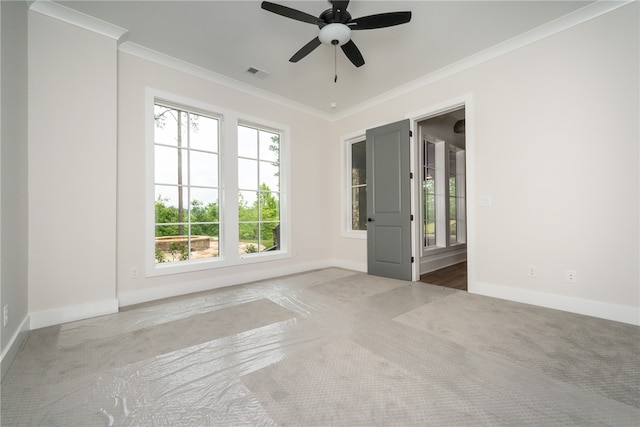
<point>370,219</point>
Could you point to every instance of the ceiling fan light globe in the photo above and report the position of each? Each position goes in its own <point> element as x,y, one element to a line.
<point>335,34</point>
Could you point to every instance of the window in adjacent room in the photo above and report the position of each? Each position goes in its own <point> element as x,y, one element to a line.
<point>443,194</point>
<point>429,194</point>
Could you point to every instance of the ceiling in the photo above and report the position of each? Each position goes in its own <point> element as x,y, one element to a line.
<point>228,37</point>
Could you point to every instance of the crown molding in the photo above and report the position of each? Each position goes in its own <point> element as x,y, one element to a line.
<point>79,19</point>
<point>587,13</point>
<point>196,71</point>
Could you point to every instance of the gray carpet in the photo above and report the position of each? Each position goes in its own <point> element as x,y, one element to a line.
<point>328,347</point>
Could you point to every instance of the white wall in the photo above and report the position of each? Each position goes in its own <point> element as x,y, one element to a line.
<point>72,172</point>
<point>553,139</point>
<point>13,278</point>
<point>309,195</point>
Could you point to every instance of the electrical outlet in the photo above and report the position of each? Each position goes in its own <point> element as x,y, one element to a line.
<point>134,272</point>
<point>570,276</point>
<point>5,315</point>
<point>531,271</point>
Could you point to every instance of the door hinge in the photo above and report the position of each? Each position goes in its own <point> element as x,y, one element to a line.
<point>410,134</point>
<point>410,175</point>
<point>411,217</point>
<point>412,260</point>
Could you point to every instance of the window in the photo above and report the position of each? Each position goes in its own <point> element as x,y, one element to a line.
<point>259,189</point>
<point>217,187</point>
<point>186,157</point>
<point>356,187</point>
<point>429,194</point>
<point>457,199</point>
<point>443,194</point>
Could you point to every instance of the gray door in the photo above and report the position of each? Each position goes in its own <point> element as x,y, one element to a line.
<point>389,201</point>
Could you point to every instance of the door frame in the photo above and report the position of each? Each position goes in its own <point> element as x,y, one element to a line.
<point>415,117</point>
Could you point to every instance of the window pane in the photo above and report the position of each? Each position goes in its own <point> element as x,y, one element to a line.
<point>267,232</point>
<point>204,205</point>
<point>167,202</point>
<point>270,175</point>
<point>166,125</point>
<point>247,142</point>
<point>166,230</point>
<point>204,133</point>
<point>247,174</point>
<point>430,155</point>
<point>170,247</point>
<point>203,241</point>
<point>429,220</point>
<point>269,206</point>
<point>170,165</point>
<point>269,146</point>
<point>358,163</point>
<point>248,206</point>
<point>359,208</point>
<point>204,169</point>
<point>248,236</point>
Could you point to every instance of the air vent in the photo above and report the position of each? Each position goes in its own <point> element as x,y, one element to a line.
<point>258,73</point>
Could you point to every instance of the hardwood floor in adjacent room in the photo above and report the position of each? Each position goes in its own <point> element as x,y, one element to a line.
<point>454,276</point>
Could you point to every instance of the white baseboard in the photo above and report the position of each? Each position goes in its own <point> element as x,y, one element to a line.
<point>349,265</point>
<point>71,313</point>
<point>446,259</point>
<point>178,289</point>
<point>10,352</point>
<point>603,310</point>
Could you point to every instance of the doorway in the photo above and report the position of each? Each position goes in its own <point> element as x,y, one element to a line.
<point>443,198</point>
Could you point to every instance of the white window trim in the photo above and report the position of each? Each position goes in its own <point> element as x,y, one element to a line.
<point>346,229</point>
<point>228,188</point>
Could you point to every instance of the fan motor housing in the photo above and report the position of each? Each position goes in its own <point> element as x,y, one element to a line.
<point>328,17</point>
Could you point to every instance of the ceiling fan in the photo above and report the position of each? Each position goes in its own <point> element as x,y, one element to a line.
<point>336,25</point>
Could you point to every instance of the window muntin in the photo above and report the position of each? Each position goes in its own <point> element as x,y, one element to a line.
<point>258,189</point>
<point>186,184</point>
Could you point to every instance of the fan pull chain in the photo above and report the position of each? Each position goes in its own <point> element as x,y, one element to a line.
<point>335,63</point>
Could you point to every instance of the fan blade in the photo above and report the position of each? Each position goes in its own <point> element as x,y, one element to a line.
<point>339,7</point>
<point>306,50</point>
<point>353,53</point>
<point>288,12</point>
<point>381,20</point>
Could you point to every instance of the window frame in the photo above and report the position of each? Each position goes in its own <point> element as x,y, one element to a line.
<point>229,121</point>
<point>347,217</point>
<point>189,151</point>
<point>259,127</point>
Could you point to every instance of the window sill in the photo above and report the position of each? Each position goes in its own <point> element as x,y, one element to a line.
<point>166,269</point>
<point>360,234</point>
